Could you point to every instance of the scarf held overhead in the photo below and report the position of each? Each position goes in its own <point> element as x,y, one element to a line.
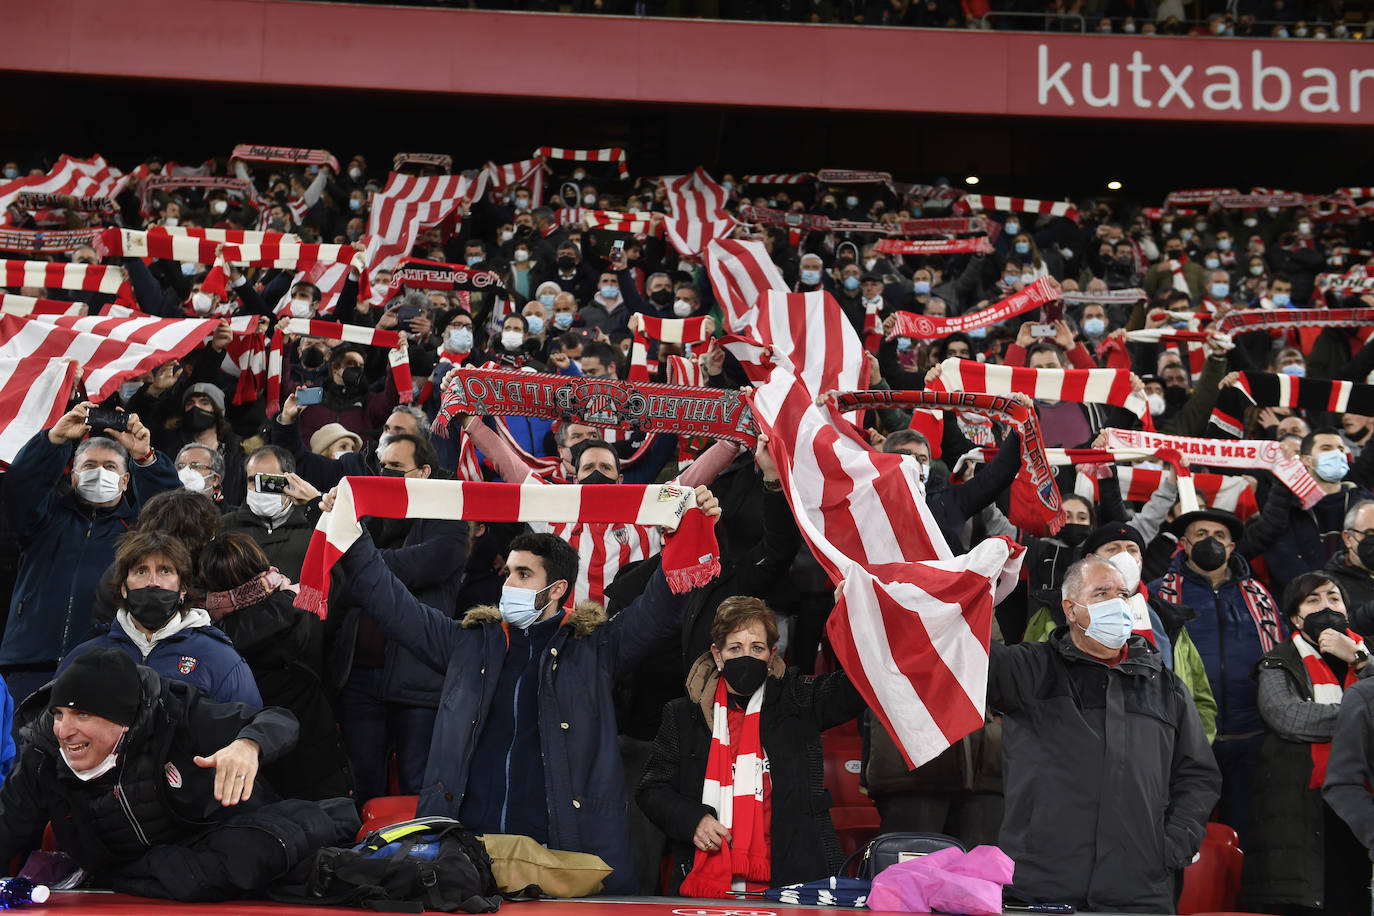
<point>397,355</point>
<point>1084,386</point>
<point>927,327</point>
<point>1270,389</point>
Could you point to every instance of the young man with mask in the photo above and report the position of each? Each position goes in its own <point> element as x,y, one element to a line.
<point>1236,622</point>
<point>348,399</point>
<point>1098,731</point>
<point>67,524</point>
<point>280,521</point>
<point>1353,566</point>
<point>525,742</point>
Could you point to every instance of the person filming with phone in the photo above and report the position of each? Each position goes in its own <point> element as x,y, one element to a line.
<point>280,510</point>
<point>68,499</point>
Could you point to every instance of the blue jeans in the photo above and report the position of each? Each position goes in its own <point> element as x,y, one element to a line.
<point>373,728</point>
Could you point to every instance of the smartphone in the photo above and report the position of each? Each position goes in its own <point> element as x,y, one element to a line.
<point>307,396</point>
<point>617,249</point>
<point>107,418</point>
<point>271,483</point>
<point>404,314</point>
<point>1042,330</point>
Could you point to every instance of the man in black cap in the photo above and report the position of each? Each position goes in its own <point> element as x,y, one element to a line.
<point>136,773</point>
<point>1237,622</point>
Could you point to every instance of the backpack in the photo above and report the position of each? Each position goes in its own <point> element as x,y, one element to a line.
<point>430,863</point>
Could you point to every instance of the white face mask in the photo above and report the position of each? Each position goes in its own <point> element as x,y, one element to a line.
<point>589,200</point>
<point>682,308</point>
<point>95,772</point>
<point>521,255</point>
<point>379,290</point>
<point>264,505</point>
<point>507,235</point>
<point>1157,404</point>
<point>98,485</point>
<point>201,303</point>
<point>218,207</point>
<point>1128,567</point>
<point>512,340</point>
<point>870,263</point>
<point>301,308</point>
<point>192,480</point>
<point>170,222</point>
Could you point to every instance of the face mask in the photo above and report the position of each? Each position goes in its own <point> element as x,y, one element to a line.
<point>1109,622</point>
<point>772,202</point>
<point>562,320</point>
<point>198,419</point>
<point>1012,227</point>
<point>978,333</point>
<point>728,186</point>
<point>1027,278</point>
<point>595,478</point>
<point>473,260</point>
<point>1305,228</point>
<point>1157,404</point>
<point>507,235</point>
<point>851,201</point>
<point>811,277</point>
<point>1201,225</point>
<point>1186,235</point>
<point>459,339</point>
<point>579,174</point>
<point>353,378</point>
<point>566,263</point>
<point>1281,300</point>
<point>1094,327</point>
<point>589,200</point>
<point>218,207</point>
<point>264,505</point>
<point>851,283</point>
<point>1010,279</point>
<point>188,270</point>
<point>301,308</point>
<point>1073,535</point>
<point>744,674</point>
<point>128,390</point>
<point>1332,466</point>
<point>97,485</point>
<point>1365,552</point>
<point>1208,555</point>
<point>312,357</point>
<point>521,255</point>
<point>391,472</point>
<point>192,480</point>
<point>1256,270</point>
<point>1173,254</point>
<point>681,308</point>
<point>518,606</point>
<point>1166,227</point>
<point>522,203</point>
<point>1223,244</point>
<point>151,608</point>
<point>536,324</point>
<point>1317,621</point>
<point>201,303</point>
<point>1128,28</point>
<point>170,222</point>
<point>11,173</point>
<point>661,297</point>
<point>512,340</point>
<point>1022,248</point>
<point>1221,290</point>
<point>1250,222</point>
<point>921,287</point>
<point>1128,567</point>
<point>1297,370</point>
<point>870,263</point>
<point>903,343</point>
<point>1212,263</point>
<point>610,293</point>
<point>96,771</point>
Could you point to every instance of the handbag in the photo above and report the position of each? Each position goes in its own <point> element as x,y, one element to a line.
<point>890,848</point>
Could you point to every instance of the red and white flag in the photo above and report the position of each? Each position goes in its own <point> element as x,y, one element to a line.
<point>92,177</point>
<point>527,172</point>
<point>586,155</point>
<point>409,205</point>
<point>1017,205</point>
<point>699,215</point>
<point>33,396</point>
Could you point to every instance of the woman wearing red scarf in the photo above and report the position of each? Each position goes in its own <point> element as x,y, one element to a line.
<point>1301,857</point>
<point>736,777</point>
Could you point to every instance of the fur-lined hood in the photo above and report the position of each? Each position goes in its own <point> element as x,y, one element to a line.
<point>702,678</point>
<point>585,618</point>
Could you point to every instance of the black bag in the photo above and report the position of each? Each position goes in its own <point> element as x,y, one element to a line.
<point>890,848</point>
<point>430,863</point>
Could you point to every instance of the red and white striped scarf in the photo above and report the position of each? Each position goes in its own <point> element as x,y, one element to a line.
<point>92,177</point>
<point>92,278</point>
<point>33,396</point>
<point>45,241</point>
<point>24,306</point>
<point>690,557</point>
<point>397,356</point>
<point>156,243</point>
<point>664,330</point>
<point>1138,485</point>
<point>248,152</point>
<point>1242,320</point>
<point>1258,602</point>
<point>1016,205</point>
<point>527,172</point>
<point>1325,689</point>
<point>1275,389</point>
<point>1123,296</point>
<point>697,203</point>
<point>641,224</point>
<point>735,772</point>
<point>1175,265</point>
<point>979,245</point>
<point>1083,386</point>
<point>929,327</point>
<point>409,205</point>
<point>779,178</point>
<point>586,155</point>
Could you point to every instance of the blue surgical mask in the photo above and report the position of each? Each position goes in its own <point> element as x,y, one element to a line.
<point>921,287</point>
<point>1212,263</point>
<point>1109,622</point>
<point>1296,370</point>
<point>851,201</point>
<point>851,283</point>
<point>1094,327</point>
<point>1332,466</point>
<point>1010,279</point>
<point>11,173</point>
<point>459,339</point>
<point>1221,290</point>
<point>188,269</point>
<point>811,277</point>
<point>1281,300</point>
<point>563,320</point>
<point>610,292</point>
<point>1023,247</point>
<point>474,259</point>
<point>978,333</point>
<point>355,204</point>
<point>536,324</point>
<point>1223,244</point>
<point>1011,227</point>
<point>519,606</point>
<point>522,203</point>
<point>546,300</point>
<point>903,343</point>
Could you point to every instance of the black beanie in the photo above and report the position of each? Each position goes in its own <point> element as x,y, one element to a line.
<point>103,682</point>
<point>1112,531</point>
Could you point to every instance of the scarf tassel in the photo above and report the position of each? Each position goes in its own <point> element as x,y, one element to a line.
<point>691,557</point>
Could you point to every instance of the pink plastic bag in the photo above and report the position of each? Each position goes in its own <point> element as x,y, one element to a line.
<point>946,880</point>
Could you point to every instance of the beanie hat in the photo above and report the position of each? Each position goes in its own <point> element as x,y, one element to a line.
<point>103,682</point>
<point>1112,531</point>
<point>330,433</point>
<point>211,391</point>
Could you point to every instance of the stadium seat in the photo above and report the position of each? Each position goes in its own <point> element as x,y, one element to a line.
<point>855,825</point>
<point>1212,883</point>
<point>387,809</point>
<point>843,758</point>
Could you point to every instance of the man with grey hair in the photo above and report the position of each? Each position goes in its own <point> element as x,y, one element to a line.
<point>1108,776</point>
<point>67,525</point>
<point>201,470</point>
<point>1353,566</point>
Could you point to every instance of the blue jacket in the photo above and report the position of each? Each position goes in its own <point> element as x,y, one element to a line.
<point>203,657</point>
<point>584,779</point>
<point>1227,638</point>
<point>6,738</point>
<point>65,547</point>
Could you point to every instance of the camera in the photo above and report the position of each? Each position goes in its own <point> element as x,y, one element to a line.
<point>107,418</point>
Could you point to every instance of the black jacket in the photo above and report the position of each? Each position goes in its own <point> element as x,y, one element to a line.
<point>155,794</point>
<point>1359,592</point>
<point>1350,768</point>
<point>796,709</point>
<point>285,545</point>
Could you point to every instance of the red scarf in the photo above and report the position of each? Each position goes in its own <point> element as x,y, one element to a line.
<point>1325,689</point>
<point>735,776</point>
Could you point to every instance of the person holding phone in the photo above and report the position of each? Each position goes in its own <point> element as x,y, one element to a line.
<point>280,510</point>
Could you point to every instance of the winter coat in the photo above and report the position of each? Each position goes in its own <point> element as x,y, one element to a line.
<point>585,781</point>
<point>1350,768</point>
<point>1298,544</point>
<point>154,795</point>
<point>199,655</point>
<point>1359,592</point>
<point>286,544</point>
<point>796,709</point>
<point>66,546</point>
<point>1109,779</point>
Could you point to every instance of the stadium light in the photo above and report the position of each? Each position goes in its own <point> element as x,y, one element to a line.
<point>971,180</point>
<point>1114,185</point>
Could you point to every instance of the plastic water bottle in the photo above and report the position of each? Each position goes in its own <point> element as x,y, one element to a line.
<point>15,892</point>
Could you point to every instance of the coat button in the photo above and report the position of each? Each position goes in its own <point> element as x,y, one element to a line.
<point>484,670</point>
<point>576,803</point>
<point>448,796</point>
<point>563,725</point>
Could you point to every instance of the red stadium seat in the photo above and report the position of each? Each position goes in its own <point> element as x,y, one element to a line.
<point>1212,883</point>
<point>855,825</point>
<point>843,757</point>
<point>387,809</point>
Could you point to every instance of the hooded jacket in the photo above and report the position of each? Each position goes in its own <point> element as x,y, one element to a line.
<point>1109,779</point>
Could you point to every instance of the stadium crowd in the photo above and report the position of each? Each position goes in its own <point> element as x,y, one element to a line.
<point>1159,664</point>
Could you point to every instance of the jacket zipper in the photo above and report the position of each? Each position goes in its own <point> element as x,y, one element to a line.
<point>1221,657</point>
<point>129,811</point>
<point>71,595</point>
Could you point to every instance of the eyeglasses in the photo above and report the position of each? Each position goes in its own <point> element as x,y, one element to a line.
<point>194,465</point>
<point>1362,534</point>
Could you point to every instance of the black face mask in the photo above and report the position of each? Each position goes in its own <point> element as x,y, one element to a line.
<point>312,357</point>
<point>1365,552</point>
<point>661,296</point>
<point>1314,623</point>
<point>745,674</point>
<point>353,378</point>
<point>1074,535</point>
<point>1175,396</point>
<point>1208,555</point>
<point>566,263</point>
<point>198,419</point>
<point>392,472</point>
<point>151,608</point>
<point>596,477</point>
